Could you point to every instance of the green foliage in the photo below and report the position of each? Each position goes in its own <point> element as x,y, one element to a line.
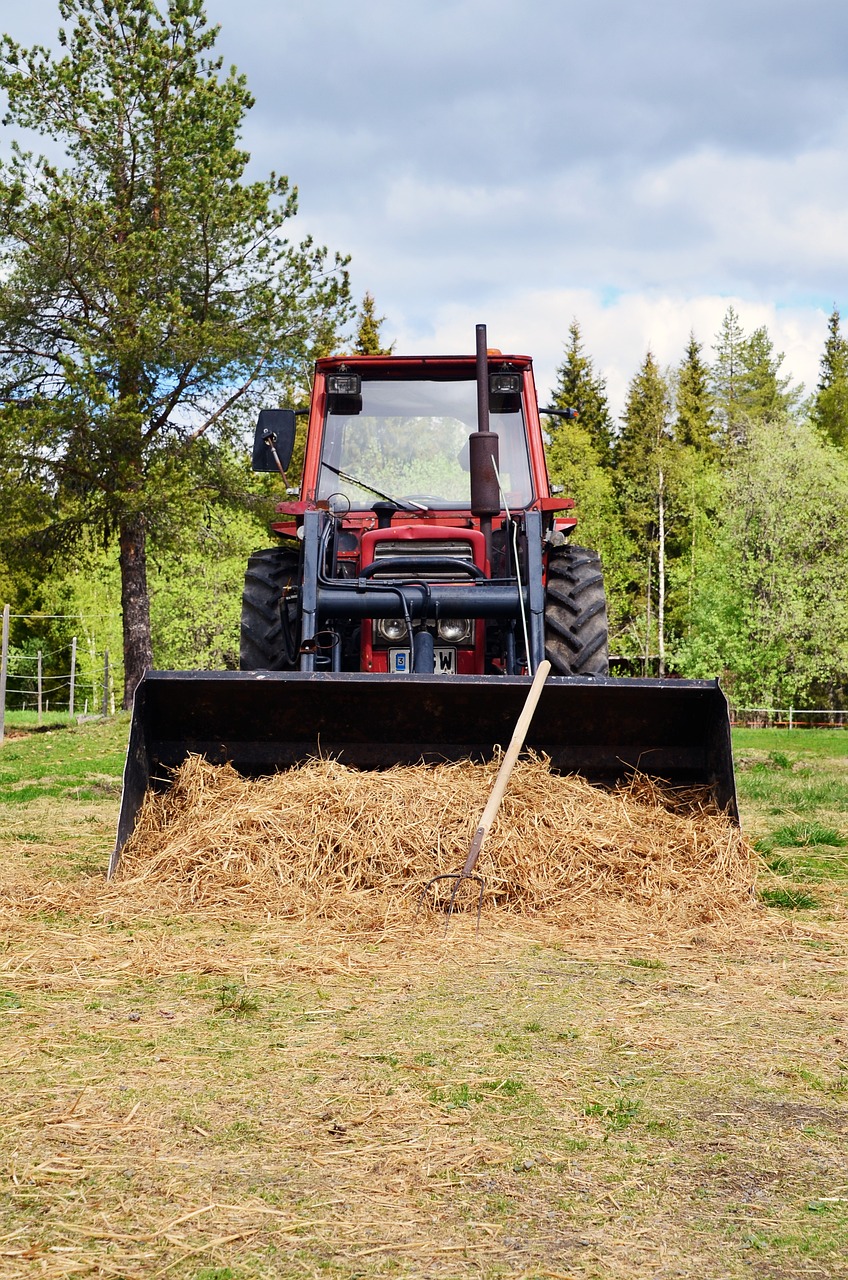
<point>368,338</point>
<point>767,612</point>
<point>643,453</point>
<point>719,523</point>
<point>196,593</point>
<point>580,387</point>
<point>645,431</point>
<point>766,392</point>
<point>574,464</point>
<point>830,405</point>
<point>81,600</point>
<point>728,378</point>
<point>747,382</point>
<point>787,495</point>
<point>148,288</point>
<point>693,403</point>
<point>696,499</point>
<point>579,456</point>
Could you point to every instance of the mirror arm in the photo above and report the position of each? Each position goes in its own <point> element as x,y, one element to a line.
<point>270,438</point>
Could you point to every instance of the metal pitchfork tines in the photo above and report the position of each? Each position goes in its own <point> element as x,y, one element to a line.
<point>494,801</point>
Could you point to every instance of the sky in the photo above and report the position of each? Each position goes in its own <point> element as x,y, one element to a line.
<point>639,165</point>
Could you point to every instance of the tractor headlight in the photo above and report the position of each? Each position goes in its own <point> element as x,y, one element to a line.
<point>392,630</point>
<point>454,630</point>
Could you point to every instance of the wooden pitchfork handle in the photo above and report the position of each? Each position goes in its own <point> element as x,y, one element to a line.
<point>516,742</point>
<point>513,751</point>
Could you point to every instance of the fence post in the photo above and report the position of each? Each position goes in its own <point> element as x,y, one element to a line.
<point>4,667</point>
<point>790,717</point>
<point>105,708</point>
<point>39,687</point>
<point>73,678</point>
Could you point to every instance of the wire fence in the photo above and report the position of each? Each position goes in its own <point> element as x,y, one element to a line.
<point>51,680</point>
<point>788,718</point>
<point>26,685</point>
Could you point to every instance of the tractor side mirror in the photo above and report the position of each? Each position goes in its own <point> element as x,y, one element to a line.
<point>275,432</point>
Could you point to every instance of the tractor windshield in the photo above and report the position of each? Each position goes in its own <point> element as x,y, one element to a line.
<point>409,441</point>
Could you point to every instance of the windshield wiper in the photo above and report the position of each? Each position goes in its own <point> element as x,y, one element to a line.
<point>405,504</point>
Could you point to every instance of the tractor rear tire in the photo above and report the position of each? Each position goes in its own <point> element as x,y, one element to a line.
<point>269,611</point>
<point>576,634</point>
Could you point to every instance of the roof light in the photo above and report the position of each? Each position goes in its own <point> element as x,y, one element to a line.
<point>504,384</point>
<point>344,384</point>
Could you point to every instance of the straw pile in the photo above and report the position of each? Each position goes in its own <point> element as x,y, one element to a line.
<point>324,840</point>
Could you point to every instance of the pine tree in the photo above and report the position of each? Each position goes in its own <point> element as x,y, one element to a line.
<point>747,383</point>
<point>579,463</point>
<point>728,380</point>
<point>368,337</point>
<point>695,486</point>
<point>766,394</point>
<point>147,287</point>
<point>646,425</point>
<point>693,399</point>
<point>830,405</point>
<point>642,458</point>
<point>581,388</point>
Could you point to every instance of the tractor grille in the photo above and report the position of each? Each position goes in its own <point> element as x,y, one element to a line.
<point>412,551</point>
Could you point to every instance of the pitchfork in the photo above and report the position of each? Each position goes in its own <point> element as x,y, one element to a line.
<point>494,801</point>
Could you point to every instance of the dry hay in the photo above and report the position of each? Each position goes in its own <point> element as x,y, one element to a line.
<point>327,841</point>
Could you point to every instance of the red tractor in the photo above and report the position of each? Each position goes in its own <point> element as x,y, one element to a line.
<point>426,537</point>
<point>421,577</point>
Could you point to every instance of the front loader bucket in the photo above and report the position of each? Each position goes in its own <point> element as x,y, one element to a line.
<point>260,722</point>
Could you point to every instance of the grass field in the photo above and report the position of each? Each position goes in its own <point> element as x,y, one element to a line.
<point>236,1098</point>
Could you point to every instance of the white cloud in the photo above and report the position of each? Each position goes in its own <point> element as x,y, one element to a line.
<point>637,166</point>
<point>617,334</point>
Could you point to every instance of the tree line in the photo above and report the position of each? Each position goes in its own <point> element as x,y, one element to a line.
<point>152,297</point>
<point>718,504</point>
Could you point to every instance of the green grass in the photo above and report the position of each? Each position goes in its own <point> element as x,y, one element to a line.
<point>235,1001</point>
<point>789,899</point>
<point>83,762</point>
<point>616,1115</point>
<point>793,743</point>
<point>29,720</point>
<point>803,835</point>
<point>793,795</point>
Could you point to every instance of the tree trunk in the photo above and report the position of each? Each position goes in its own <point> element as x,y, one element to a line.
<point>135,603</point>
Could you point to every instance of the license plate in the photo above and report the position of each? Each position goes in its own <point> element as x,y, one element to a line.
<point>444,661</point>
